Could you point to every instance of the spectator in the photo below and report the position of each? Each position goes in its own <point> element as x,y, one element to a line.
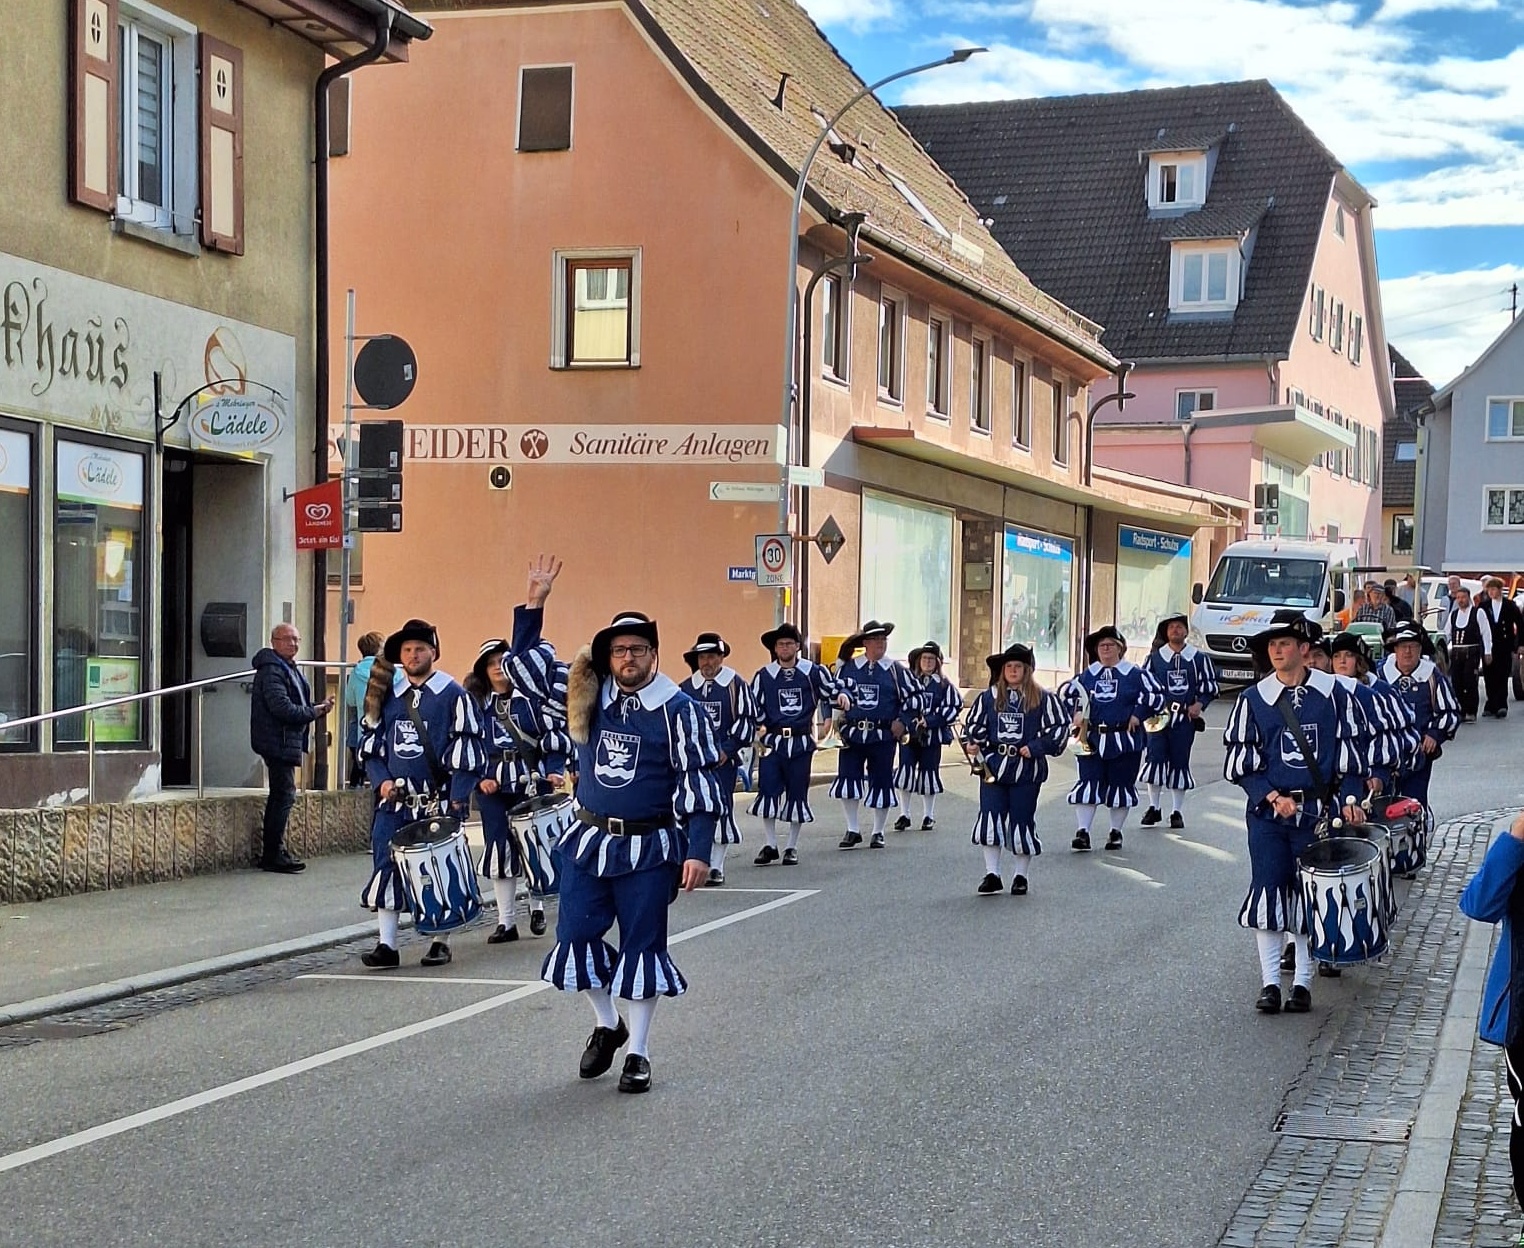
<point>1447,595</point>
<point>1506,624</point>
<point>354,703</point>
<point>279,715</point>
<point>1374,610</point>
<point>1401,608</point>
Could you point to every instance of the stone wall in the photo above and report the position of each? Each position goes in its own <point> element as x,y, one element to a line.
<point>57,851</point>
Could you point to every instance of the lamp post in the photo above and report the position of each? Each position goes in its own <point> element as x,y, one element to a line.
<point>791,321</point>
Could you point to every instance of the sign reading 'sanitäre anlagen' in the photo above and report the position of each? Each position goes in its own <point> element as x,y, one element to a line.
<point>593,444</point>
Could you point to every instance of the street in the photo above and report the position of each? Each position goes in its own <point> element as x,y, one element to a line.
<point>870,1054</point>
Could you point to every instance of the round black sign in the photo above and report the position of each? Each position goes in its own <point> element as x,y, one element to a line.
<point>386,371</point>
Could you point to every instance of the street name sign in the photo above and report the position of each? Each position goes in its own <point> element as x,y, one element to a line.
<point>743,492</point>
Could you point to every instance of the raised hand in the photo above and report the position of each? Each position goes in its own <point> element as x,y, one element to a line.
<point>542,578</point>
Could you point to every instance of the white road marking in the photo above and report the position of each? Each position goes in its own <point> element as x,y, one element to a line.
<point>1211,851</point>
<point>370,977</point>
<point>1131,873</point>
<point>197,1100</point>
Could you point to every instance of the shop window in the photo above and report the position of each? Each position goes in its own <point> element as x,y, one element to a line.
<point>1153,569</point>
<point>99,579</point>
<point>909,578</point>
<point>1036,595</point>
<point>597,310</point>
<point>545,108</point>
<point>18,604</point>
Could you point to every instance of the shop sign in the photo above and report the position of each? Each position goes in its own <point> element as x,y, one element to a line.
<point>107,678</point>
<point>15,462</point>
<point>99,474</point>
<point>645,445</point>
<point>1039,544</point>
<point>235,423</point>
<point>320,516</point>
<point>1170,545</point>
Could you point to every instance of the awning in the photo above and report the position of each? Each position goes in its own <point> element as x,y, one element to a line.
<point>343,28</point>
<point>1113,496</point>
<point>1292,432</point>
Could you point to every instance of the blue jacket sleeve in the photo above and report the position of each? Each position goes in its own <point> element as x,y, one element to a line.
<point>694,754</point>
<point>465,757</point>
<point>271,687</point>
<point>528,628</point>
<point>1244,762</point>
<point>1486,897</point>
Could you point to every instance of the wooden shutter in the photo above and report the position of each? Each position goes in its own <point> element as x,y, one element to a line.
<point>220,74</point>
<point>545,109</point>
<point>95,151</point>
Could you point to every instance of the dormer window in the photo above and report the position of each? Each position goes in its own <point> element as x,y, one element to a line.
<point>1204,279</point>
<point>1177,180</point>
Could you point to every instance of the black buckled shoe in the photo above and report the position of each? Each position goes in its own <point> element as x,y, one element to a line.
<point>1288,958</point>
<point>902,824</point>
<point>1152,816</point>
<point>1176,820</point>
<point>1329,971</point>
<point>602,1045</point>
<point>1114,841</point>
<point>504,935</point>
<point>438,955</point>
<point>1300,1000</point>
<point>1269,999</point>
<point>767,854</point>
<point>716,878</point>
<point>1019,886</point>
<point>990,885</point>
<point>537,922</point>
<point>636,1076</point>
<point>381,958</point>
<point>877,841</point>
<point>928,823</point>
<point>850,841</point>
<point>790,857</point>
<point>1080,842</point>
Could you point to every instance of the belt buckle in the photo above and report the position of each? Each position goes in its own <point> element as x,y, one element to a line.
<point>615,826</point>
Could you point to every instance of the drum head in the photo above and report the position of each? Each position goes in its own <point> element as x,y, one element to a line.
<point>426,831</point>
<point>1339,853</point>
<point>538,805</point>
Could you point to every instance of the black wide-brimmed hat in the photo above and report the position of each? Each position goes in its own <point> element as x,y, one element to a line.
<point>707,643</point>
<point>1285,624</point>
<point>1014,653</point>
<point>784,632</point>
<point>913,659</point>
<point>1406,630</point>
<point>1108,633</point>
<point>874,628</point>
<point>625,624</point>
<point>1350,643</point>
<point>413,630</point>
<point>490,647</point>
<point>1161,632</point>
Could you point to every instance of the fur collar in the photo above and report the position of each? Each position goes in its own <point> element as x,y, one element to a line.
<point>377,689</point>
<point>581,695</point>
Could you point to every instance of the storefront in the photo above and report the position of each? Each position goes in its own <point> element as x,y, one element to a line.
<point>1153,580</point>
<point>1037,595</point>
<point>906,570</point>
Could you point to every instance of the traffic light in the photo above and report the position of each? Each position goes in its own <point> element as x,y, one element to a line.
<point>379,477</point>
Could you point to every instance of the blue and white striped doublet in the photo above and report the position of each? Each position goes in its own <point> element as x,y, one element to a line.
<point>732,710</point>
<point>1184,678</point>
<point>1109,776</point>
<point>1435,713</point>
<point>787,699</point>
<point>881,692</point>
<point>920,764</point>
<point>515,777</point>
<point>998,725</point>
<point>1387,725</point>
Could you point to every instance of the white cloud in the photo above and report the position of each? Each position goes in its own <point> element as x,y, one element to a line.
<point>1398,10</point>
<point>1006,72</point>
<point>1443,321</point>
<point>853,14</point>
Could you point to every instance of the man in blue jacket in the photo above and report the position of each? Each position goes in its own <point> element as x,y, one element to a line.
<point>280,714</point>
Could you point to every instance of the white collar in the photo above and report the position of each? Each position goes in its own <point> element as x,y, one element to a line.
<point>860,660</point>
<point>657,694</point>
<point>1349,682</point>
<point>1121,669</point>
<point>437,682</point>
<point>722,678</point>
<point>802,666</point>
<point>1270,688</point>
<point>1423,671</point>
<point>1188,652</point>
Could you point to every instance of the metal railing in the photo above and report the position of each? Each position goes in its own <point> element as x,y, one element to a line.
<point>198,687</point>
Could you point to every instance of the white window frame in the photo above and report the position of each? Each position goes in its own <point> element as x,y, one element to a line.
<point>1159,161</point>
<point>1338,225</point>
<point>1178,255</point>
<point>1507,491</point>
<point>841,335</point>
<point>979,390</point>
<point>181,137</point>
<point>561,259</point>
<point>518,106</point>
<point>892,394</point>
<point>1336,327</point>
<point>939,388</point>
<point>1317,312</point>
<point>1515,418</point>
<point>1021,403</point>
<point>1210,407</point>
<point>1356,339</point>
<point>1059,388</point>
<point>1409,518</point>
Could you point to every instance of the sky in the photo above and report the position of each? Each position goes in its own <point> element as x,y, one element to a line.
<point>1422,100</point>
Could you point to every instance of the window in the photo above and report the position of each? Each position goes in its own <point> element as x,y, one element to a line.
<point>1336,457</point>
<point>1189,402</point>
<point>1339,220</point>
<point>1315,316</point>
<point>596,310</point>
<point>1336,326</point>
<point>99,562</point>
<point>1402,535</point>
<point>1152,567</point>
<point>835,340</point>
<point>148,91</point>
<point>937,342</point>
<point>1357,452</point>
<point>1505,419</point>
<point>1176,181</point>
<point>910,576</point>
<point>979,386</point>
<point>891,354</point>
<point>1503,507</point>
<point>914,200</point>
<point>1296,398</point>
<point>18,659</point>
<point>545,108</point>
<point>1204,279</point>
<point>1373,459</point>
<point>1037,593</point>
<point>1021,412</point>
<point>1356,339</point>
<point>1060,423</point>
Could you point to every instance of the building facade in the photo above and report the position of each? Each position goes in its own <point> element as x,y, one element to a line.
<point>1399,494</point>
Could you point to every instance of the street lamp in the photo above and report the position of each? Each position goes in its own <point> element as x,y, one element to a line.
<point>791,316</point>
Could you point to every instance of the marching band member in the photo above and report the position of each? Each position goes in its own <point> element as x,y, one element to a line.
<point>647,805</point>
<point>421,742</point>
<point>786,693</point>
<point>882,698</point>
<point>1275,724</point>
<point>1388,722</point>
<point>920,769</point>
<point>1120,697</point>
<point>1468,629</point>
<point>1011,729</point>
<point>1418,681</point>
<point>523,746</point>
<point>733,712</point>
<point>1189,680</point>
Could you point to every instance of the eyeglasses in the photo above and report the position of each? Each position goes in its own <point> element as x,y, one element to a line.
<point>634,652</point>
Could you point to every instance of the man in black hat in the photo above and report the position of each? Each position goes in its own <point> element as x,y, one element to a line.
<point>788,692</point>
<point>1505,623</point>
<point>882,698</point>
<point>1189,680</point>
<point>920,769</point>
<point>732,710</point>
<point>1273,726</point>
<point>1431,702</point>
<point>1468,629</point>
<point>422,750</point>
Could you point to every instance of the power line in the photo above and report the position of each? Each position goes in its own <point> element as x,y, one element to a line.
<point>1465,320</point>
<point>1445,307</point>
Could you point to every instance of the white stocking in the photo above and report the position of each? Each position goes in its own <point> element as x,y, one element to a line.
<point>603,1007</point>
<point>991,859</point>
<point>507,901</point>
<point>880,820</point>
<point>1085,815</point>
<point>770,830</point>
<point>641,1014</point>
<point>1023,861</point>
<point>386,924</point>
<point>929,805</point>
<point>793,835</point>
<point>1154,792</point>
<point>849,807</point>
<point>717,856</point>
<point>1270,945</point>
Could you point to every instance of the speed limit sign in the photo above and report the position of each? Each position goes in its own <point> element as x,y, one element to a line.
<point>775,560</point>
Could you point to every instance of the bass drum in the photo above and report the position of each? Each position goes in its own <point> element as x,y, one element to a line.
<point>1343,883</point>
<point>434,860</point>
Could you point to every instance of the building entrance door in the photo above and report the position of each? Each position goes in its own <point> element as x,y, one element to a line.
<point>177,726</point>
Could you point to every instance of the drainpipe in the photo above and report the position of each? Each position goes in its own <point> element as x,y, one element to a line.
<point>321,387</point>
<point>1185,445</point>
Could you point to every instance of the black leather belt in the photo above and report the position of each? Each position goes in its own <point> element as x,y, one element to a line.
<point>1008,751</point>
<point>869,725</point>
<point>787,732</point>
<point>615,826</point>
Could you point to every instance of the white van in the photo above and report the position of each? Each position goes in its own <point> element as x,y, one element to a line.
<point>1255,579</point>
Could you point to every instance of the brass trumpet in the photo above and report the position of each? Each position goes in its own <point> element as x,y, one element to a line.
<point>976,763</point>
<point>1167,718</point>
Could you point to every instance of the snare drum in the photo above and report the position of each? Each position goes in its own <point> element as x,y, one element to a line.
<point>1409,822</point>
<point>1378,834</point>
<point>537,827</point>
<point>1343,883</point>
<point>435,862</point>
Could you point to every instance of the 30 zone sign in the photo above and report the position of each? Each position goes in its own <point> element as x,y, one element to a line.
<point>775,561</point>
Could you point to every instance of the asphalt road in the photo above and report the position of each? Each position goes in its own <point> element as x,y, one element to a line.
<point>885,1059</point>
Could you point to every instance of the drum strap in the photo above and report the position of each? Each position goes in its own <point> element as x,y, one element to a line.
<point>1325,790</point>
<point>528,748</point>
<point>436,769</point>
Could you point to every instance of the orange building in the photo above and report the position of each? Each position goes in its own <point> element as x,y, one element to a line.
<point>586,210</point>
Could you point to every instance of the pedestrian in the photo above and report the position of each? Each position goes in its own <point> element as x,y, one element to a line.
<point>882,698</point>
<point>525,753</point>
<point>281,712</point>
<point>1189,681</point>
<point>1495,894</point>
<point>1506,623</point>
<point>421,740</point>
<point>1293,744</point>
<point>1401,608</point>
<point>647,805</point>
<point>920,769</point>
<point>1469,634</point>
<point>369,647</point>
<point>787,692</point>
<point>732,711</point>
<point>1375,609</point>
<point>1417,680</point>
<point>1108,702</point>
<point>1011,730</point>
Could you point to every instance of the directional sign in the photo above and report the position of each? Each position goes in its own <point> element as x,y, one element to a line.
<point>743,492</point>
<point>775,560</point>
<point>798,475</point>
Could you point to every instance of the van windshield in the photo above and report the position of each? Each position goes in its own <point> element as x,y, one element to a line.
<point>1267,581</point>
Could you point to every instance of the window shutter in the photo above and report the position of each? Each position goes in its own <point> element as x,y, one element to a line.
<point>95,83</point>
<point>221,113</point>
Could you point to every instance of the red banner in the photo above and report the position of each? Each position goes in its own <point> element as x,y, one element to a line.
<point>320,516</point>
